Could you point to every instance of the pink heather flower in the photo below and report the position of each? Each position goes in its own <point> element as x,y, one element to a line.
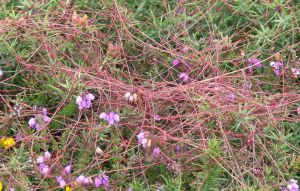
<point>101,180</point>
<point>98,182</point>
<point>86,180</point>
<point>47,155</point>
<point>1,73</point>
<point>102,115</point>
<point>142,139</point>
<point>277,67</point>
<point>111,118</point>
<point>44,111</point>
<point>11,189</point>
<point>184,76</point>
<point>40,160</point>
<point>80,179</point>
<point>176,62</point>
<point>62,183</point>
<point>177,149</point>
<point>144,142</point>
<point>58,179</point>
<point>43,118</point>
<point>185,49</point>
<point>84,101</point>
<point>298,110</point>
<point>157,118</point>
<point>32,122</point>
<point>253,63</point>
<point>156,152</point>
<point>127,95</point>
<point>67,169</point>
<point>19,136</point>
<point>44,169</point>
<point>295,72</point>
<point>293,185</point>
<point>231,97</point>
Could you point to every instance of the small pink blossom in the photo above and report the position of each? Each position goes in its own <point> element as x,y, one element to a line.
<point>277,67</point>
<point>298,111</point>
<point>38,122</point>
<point>156,152</point>
<point>295,72</point>
<point>44,169</point>
<point>142,139</point>
<point>101,180</point>
<point>185,49</point>
<point>157,118</point>
<point>47,155</point>
<point>40,160</point>
<point>67,169</point>
<point>111,118</point>
<point>80,179</point>
<point>176,62</point>
<point>231,97</point>
<point>85,101</point>
<point>184,76</point>
<point>62,183</point>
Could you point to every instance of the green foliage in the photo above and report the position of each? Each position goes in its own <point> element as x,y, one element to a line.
<point>48,60</point>
<point>211,176</point>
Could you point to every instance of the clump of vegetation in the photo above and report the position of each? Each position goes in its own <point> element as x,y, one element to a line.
<point>149,95</point>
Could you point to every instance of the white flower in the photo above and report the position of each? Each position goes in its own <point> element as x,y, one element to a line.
<point>40,160</point>
<point>99,150</point>
<point>47,155</point>
<point>144,142</point>
<point>103,115</point>
<point>131,98</point>
<point>78,99</point>
<point>127,95</point>
<point>90,96</point>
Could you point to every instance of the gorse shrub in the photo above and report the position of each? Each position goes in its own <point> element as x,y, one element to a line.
<point>149,95</point>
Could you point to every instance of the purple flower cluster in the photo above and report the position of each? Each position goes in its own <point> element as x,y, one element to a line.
<point>293,185</point>
<point>142,139</point>
<point>101,180</point>
<point>67,169</point>
<point>176,62</point>
<point>41,161</point>
<point>277,67</point>
<point>83,180</point>
<point>295,72</point>
<point>231,97</point>
<point>157,118</point>
<point>130,97</point>
<point>38,122</point>
<point>184,76</point>
<point>43,164</point>
<point>177,149</point>
<point>85,101</point>
<point>60,181</point>
<point>156,152</point>
<point>253,63</point>
<point>298,110</point>
<point>185,49</point>
<point>111,118</point>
